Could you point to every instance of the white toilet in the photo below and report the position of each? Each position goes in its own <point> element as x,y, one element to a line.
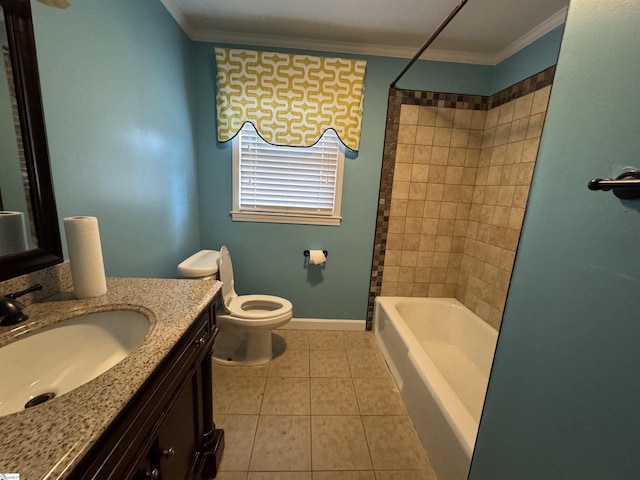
<point>245,321</point>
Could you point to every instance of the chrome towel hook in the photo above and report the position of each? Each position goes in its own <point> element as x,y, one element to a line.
<point>625,186</point>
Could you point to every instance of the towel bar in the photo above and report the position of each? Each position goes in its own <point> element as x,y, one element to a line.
<point>625,186</point>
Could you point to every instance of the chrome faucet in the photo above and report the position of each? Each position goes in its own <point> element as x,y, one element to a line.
<point>11,309</point>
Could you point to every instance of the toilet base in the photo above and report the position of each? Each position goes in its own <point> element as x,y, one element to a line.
<point>255,349</point>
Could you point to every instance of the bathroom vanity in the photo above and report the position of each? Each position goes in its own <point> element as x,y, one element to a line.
<point>149,416</point>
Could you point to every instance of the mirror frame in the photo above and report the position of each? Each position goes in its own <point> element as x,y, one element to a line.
<point>22,47</point>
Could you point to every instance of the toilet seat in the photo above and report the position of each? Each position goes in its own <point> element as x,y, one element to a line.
<point>259,307</point>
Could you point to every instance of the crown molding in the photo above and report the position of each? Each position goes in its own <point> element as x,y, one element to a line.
<point>177,15</point>
<point>456,56</point>
<point>202,35</point>
<point>339,47</point>
<point>532,35</point>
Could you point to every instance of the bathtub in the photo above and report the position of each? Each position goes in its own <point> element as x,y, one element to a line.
<point>440,354</point>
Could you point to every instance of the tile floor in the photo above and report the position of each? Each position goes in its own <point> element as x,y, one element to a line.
<point>325,408</point>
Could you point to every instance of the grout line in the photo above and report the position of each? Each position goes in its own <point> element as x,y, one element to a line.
<point>355,393</point>
<point>255,433</point>
<point>366,441</point>
<point>310,432</point>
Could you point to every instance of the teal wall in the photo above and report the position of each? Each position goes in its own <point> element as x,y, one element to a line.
<point>563,396</point>
<point>129,105</point>
<point>267,257</point>
<point>535,57</point>
<point>117,98</point>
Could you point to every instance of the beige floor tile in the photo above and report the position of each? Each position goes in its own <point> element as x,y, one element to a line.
<point>240,370</point>
<point>338,443</point>
<point>360,341</point>
<point>428,474</point>
<point>279,476</point>
<point>329,363</point>
<point>239,431</point>
<point>378,396</point>
<point>217,370</point>
<point>290,340</point>
<point>286,396</point>
<point>367,363</point>
<point>282,443</point>
<point>394,444</point>
<point>335,377</point>
<point>231,476</point>
<point>292,363</point>
<point>333,396</point>
<point>326,340</point>
<point>238,395</point>
<point>347,475</point>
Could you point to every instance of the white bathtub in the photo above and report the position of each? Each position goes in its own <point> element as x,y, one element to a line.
<point>440,354</point>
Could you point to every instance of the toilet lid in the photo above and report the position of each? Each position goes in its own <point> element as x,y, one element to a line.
<point>226,276</point>
<point>257,307</point>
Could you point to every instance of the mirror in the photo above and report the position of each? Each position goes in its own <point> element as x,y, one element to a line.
<point>29,234</point>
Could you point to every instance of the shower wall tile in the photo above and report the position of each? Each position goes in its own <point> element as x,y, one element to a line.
<point>500,194</point>
<point>455,179</point>
<point>435,221</point>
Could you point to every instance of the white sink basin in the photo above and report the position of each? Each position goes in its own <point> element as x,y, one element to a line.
<point>64,356</point>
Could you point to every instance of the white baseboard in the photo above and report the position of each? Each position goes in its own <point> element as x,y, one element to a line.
<point>324,324</point>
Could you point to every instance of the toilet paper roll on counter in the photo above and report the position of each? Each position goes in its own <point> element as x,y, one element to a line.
<point>13,237</point>
<point>317,257</point>
<point>85,256</point>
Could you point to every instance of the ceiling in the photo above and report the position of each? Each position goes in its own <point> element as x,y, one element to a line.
<point>484,32</point>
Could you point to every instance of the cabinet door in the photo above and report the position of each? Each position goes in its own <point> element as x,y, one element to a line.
<point>146,468</point>
<point>177,437</point>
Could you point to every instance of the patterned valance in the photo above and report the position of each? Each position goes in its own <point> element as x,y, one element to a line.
<point>291,100</point>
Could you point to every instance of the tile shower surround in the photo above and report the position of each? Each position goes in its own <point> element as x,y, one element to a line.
<point>455,178</point>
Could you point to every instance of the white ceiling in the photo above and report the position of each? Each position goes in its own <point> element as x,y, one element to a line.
<point>485,31</point>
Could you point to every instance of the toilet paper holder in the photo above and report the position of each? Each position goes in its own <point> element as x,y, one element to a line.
<point>306,253</point>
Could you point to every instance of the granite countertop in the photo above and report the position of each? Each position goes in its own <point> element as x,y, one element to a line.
<point>47,441</point>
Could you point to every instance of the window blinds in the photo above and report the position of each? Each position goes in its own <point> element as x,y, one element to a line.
<point>275,179</point>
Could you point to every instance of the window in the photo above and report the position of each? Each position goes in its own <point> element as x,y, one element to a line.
<point>287,184</point>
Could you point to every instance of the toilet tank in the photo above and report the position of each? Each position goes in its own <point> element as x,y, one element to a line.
<point>201,264</point>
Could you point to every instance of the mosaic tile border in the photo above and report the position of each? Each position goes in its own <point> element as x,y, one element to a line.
<point>524,87</point>
<point>438,99</point>
<point>397,98</point>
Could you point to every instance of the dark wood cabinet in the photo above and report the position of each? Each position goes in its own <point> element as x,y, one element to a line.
<point>166,431</point>
<point>176,436</point>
